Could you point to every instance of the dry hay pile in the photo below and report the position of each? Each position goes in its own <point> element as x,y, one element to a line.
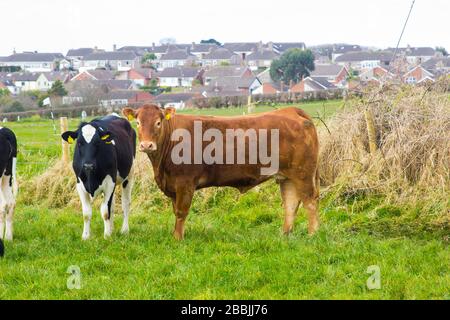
<point>412,163</point>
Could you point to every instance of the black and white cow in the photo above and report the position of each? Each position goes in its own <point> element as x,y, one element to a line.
<point>104,154</point>
<point>8,182</point>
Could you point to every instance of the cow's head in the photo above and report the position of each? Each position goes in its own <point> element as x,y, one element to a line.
<point>91,140</point>
<point>150,121</point>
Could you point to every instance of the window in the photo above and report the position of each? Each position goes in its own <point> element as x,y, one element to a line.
<point>411,80</point>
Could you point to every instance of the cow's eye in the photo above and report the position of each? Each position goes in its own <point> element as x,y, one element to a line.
<point>158,123</point>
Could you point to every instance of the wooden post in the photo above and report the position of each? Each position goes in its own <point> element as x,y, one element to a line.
<point>250,105</point>
<point>371,131</point>
<point>65,146</point>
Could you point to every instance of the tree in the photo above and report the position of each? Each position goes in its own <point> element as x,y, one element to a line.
<point>58,89</point>
<point>16,106</point>
<point>442,50</point>
<point>294,64</point>
<point>211,41</point>
<point>148,59</point>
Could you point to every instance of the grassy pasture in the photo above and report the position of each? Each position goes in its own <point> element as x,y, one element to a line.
<point>233,248</point>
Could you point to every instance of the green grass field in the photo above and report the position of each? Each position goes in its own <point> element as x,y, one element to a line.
<point>233,249</point>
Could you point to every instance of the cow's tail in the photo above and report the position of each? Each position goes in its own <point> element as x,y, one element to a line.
<point>2,248</point>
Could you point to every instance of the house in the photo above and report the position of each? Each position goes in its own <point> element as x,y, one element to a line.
<point>416,55</point>
<point>176,58</point>
<point>243,49</point>
<point>334,73</point>
<point>76,56</point>
<point>417,75</point>
<point>365,59</point>
<point>110,60</point>
<point>178,101</point>
<point>261,59</point>
<point>268,86</point>
<point>226,71</point>
<point>437,66</point>
<point>202,49</point>
<point>47,79</point>
<point>138,50</point>
<point>25,81</point>
<point>125,97</point>
<point>233,85</point>
<point>8,84</point>
<point>341,49</point>
<point>33,61</point>
<point>311,84</point>
<point>94,75</point>
<point>140,76</point>
<point>377,74</point>
<point>180,76</point>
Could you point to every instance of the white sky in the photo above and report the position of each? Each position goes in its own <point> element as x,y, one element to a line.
<point>57,25</point>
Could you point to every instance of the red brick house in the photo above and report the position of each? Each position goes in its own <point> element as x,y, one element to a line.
<point>417,75</point>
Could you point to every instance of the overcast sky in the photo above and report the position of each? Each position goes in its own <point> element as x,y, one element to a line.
<point>58,25</point>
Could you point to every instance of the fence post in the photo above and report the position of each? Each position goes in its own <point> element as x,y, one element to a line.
<point>371,131</point>
<point>65,146</point>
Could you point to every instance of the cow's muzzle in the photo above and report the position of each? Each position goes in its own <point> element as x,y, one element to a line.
<point>147,147</point>
<point>88,167</point>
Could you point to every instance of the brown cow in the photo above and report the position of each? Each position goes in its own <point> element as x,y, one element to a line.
<point>161,133</point>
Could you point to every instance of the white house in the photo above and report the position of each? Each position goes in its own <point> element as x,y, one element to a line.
<point>179,76</point>
<point>33,62</point>
<point>176,58</point>
<point>114,60</point>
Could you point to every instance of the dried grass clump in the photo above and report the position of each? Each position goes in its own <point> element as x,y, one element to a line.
<point>412,163</point>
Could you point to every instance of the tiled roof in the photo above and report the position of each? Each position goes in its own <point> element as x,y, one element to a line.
<point>33,57</point>
<point>262,55</point>
<point>220,54</point>
<point>111,55</point>
<point>225,71</point>
<point>81,52</point>
<point>179,54</point>
<point>324,70</point>
<point>365,55</point>
<point>179,72</point>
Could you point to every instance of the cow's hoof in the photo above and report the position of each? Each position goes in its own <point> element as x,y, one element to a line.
<point>125,231</point>
<point>178,236</point>
<point>287,230</point>
<point>85,237</point>
<point>9,238</point>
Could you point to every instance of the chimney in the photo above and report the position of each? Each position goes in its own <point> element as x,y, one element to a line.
<point>260,45</point>
<point>282,86</point>
<point>153,45</point>
<point>114,47</point>
<point>95,48</point>
<point>193,46</point>
<point>14,51</point>
<point>270,45</point>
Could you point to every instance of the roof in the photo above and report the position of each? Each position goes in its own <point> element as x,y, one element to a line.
<point>178,54</point>
<point>219,54</point>
<point>115,84</point>
<point>262,55</point>
<point>233,82</point>
<point>23,76</point>
<point>241,46</point>
<point>225,71</point>
<point>81,52</point>
<point>365,55</point>
<point>179,72</point>
<point>346,48</point>
<point>138,50</point>
<point>416,51</point>
<point>97,74</point>
<point>434,63</point>
<point>111,55</point>
<point>323,82</point>
<point>175,97</point>
<point>126,94</point>
<point>56,75</point>
<point>326,70</point>
<point>283,46</point>
<point>33,57</point>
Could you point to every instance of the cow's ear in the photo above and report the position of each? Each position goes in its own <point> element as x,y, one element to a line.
<point>169,113</point>
<point>70,136</point>
<point>129,113</point>
<point>107,137</point>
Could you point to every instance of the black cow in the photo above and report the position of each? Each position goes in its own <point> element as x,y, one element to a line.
<point>8,182</point>
<point>104,154</point>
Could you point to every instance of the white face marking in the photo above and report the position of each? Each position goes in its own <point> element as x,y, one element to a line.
<point>88,133</point>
